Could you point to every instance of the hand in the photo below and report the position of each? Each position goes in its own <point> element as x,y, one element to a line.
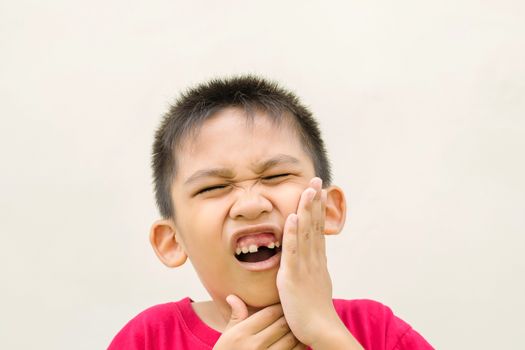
<point>303,281</point>
<point>265,329</point>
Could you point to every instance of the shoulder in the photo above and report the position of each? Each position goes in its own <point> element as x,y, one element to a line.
<point>376,326</point>
<point>364,307</point>
<point>155,315</point>
<point>158,320</point>
<point>367,315</point>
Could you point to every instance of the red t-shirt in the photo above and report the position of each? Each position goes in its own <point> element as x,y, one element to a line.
<point>176,326</point>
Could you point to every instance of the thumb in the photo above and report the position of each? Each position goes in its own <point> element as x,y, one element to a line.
<point>239,310</point>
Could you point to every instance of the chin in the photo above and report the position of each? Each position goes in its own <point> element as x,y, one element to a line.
<point>261,297</point>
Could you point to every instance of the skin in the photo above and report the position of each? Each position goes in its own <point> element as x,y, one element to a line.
<point>283,307</point>
<point>303,281</point>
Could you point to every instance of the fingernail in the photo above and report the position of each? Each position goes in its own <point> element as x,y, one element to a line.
<point>315,181</point>
<point>311,194</point>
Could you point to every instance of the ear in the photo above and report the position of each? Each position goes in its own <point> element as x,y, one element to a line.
<point>335,210</point>
<point>166,244</point>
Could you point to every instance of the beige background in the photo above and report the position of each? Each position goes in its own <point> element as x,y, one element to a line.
<point>421,103</point>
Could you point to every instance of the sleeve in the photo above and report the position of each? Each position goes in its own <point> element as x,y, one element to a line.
<point>376,327</point>
<point>131,337</point>
<point>401,336</point>
<point>412,340</point>
<point>152,329</point>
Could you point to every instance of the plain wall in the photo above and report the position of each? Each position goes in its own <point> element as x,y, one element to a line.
<point>422,106</point>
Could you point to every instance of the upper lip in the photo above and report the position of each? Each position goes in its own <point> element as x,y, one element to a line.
<point>254,229</point>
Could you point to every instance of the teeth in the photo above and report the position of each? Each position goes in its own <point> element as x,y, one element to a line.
<point>253,248</point>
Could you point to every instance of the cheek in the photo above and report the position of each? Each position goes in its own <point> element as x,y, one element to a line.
<point>211,210</point>
<point>287,198</point>
<point>203,224</point>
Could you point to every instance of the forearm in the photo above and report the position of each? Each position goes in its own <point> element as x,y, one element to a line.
<point>336,338</point>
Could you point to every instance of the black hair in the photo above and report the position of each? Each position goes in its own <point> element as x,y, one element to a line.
<point>197,104</point>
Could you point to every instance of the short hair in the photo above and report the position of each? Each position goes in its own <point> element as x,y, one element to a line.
<point>247,92</point>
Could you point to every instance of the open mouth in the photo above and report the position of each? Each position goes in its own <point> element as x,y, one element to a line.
<point>257,254</point>
<point>257,247</point>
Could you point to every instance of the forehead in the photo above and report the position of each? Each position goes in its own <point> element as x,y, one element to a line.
<point>230,138</point>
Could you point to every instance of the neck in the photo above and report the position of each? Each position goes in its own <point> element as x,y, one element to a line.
<point>217,315</point>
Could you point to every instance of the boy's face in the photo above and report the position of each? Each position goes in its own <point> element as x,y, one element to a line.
<point>236,184</point>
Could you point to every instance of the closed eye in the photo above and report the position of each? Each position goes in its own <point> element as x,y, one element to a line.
<point>219,187</point>
<point>211,188</point>
<point>272,177</point>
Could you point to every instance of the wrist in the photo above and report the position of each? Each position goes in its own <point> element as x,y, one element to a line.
<point>336,336</point>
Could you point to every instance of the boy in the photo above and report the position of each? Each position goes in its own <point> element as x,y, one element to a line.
<point>242,182</point>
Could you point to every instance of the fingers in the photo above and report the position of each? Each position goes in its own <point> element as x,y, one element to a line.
<point>261,329</point>
<point>273,333</point>
<point>297,230</point>
<point>239,310</point>
<point>262,319</point>
<point>311,213</point>
<point>299,346</point>
<point>305,228</point>
<point>304,232</point>
<point>317,216</point>
<point>289,245</point>
<point>318,220</point>
<point>286,342</point>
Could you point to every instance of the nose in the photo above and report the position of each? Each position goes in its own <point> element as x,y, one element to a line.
<point>249,205</point>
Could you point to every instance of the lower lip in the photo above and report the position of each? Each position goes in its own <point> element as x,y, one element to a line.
<point>262,265</point>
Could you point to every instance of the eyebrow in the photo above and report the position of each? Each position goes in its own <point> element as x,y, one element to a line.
<point>228,173</point>
<point>274,161</point>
